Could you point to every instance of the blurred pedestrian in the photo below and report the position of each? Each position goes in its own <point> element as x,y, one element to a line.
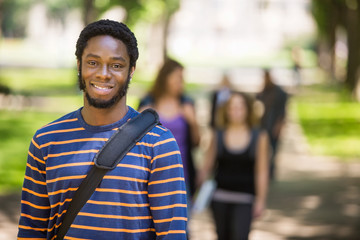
<point>177,113</point>
<point>144,197</point>
<point>238,159</point>
<point>218,98</point>
<point>274,99</point>
<point>296,59</point>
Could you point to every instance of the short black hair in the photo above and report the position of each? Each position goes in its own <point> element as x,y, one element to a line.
<point>112,28</point>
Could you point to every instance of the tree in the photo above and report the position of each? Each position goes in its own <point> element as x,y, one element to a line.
<point>13,17</point>
<point>326,15</point>
<point>329,15</point>
<point>353,37</point>
<point>160,12</point>
<point>1,16</point>
<point>92,9</point>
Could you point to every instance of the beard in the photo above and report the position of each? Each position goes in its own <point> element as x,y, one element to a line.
<point>98,103</point>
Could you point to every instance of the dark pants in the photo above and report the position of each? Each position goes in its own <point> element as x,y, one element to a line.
<point>233,221</point>
<point>274,147</point>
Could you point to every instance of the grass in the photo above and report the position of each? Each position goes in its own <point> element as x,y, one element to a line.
<point>40,81</point>
<point>16,131</point>
<point>330,120</point>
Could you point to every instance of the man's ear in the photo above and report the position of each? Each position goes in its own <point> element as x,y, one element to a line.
<point>78,66</point>
<point>132,71</point>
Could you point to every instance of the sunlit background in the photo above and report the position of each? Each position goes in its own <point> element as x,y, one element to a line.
<point>317,194</point>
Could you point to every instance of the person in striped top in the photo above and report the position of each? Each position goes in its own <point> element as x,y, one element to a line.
<point>144,197</point>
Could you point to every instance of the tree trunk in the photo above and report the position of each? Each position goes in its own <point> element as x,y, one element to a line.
<point>1,16</point>
<point>356,89</point>
<point>353,46</point>
<point>89,12</point>
<point>165,36</point>
<point>333,23</point>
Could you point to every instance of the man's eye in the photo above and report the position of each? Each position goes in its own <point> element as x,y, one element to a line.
<point>116,66</point>
<point>92,63</point>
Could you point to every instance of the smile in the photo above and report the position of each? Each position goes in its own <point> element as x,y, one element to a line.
<point>102,87</point>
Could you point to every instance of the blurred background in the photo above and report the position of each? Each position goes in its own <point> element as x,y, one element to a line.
<point>311,46</point>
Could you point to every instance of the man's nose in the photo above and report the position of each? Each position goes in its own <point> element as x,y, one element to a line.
<point>104,72</point>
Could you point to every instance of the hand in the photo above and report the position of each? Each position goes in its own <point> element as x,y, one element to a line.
<point>258,209</point>
<point>277,128</point>
<point>201,176</point>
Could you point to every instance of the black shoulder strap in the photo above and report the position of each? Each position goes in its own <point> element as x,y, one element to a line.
<point>107,159</point>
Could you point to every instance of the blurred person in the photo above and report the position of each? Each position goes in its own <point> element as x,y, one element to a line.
<point>177,113</point>
<point>238,158</point>
<point>144,197</point>
<point>274,99</point>
<point>295,57</point>
<point>218,97</point>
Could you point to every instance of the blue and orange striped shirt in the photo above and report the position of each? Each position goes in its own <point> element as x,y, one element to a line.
<point>144,197</point>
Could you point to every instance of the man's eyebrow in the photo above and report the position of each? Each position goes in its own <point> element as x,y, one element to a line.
<point>92,55</point>
<point>119,59</point>
<point>113,58</point>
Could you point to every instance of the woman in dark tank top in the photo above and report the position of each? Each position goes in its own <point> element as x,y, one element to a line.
<point>238,157</point>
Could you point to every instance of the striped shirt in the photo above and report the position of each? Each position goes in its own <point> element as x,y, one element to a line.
<point>144,197</point>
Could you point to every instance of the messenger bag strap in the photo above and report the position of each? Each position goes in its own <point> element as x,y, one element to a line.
<point>107,159</point>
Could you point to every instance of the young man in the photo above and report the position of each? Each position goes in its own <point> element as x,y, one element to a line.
<point>144,197</point>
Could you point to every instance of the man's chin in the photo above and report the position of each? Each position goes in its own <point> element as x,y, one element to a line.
<point>102,104</point>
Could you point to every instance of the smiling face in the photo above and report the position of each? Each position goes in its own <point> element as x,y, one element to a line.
<point>105,71</point>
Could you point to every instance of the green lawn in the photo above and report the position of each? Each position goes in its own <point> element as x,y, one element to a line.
<point>16,131</point>
<point>330,120</point>
<point>40,81</point>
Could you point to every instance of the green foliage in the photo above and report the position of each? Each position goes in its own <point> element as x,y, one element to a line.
<point>59,8</point>
<point>149,10</point>
<point>321,12</point>
<point>328,12</point>
<point>145,10</point>
<point>14,15</point>
<point>132,7</point>
<point>330,120</point>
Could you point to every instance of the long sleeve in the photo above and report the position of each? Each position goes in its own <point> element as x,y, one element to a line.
<point>166,190</point>
<point>35,207</point>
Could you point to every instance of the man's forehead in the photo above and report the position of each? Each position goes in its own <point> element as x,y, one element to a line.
<point>105,38</point>
<point>102,43</point>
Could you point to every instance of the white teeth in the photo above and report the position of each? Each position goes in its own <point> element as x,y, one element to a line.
<point>101,88</point>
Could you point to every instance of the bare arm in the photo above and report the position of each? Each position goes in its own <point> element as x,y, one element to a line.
<point>190,116</point>
<point>261,174</point>
<point>208,162</point>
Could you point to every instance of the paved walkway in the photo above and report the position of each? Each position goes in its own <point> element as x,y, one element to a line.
<point>313,197</point>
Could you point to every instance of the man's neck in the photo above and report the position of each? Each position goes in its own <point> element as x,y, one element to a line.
<point>104,116</point>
